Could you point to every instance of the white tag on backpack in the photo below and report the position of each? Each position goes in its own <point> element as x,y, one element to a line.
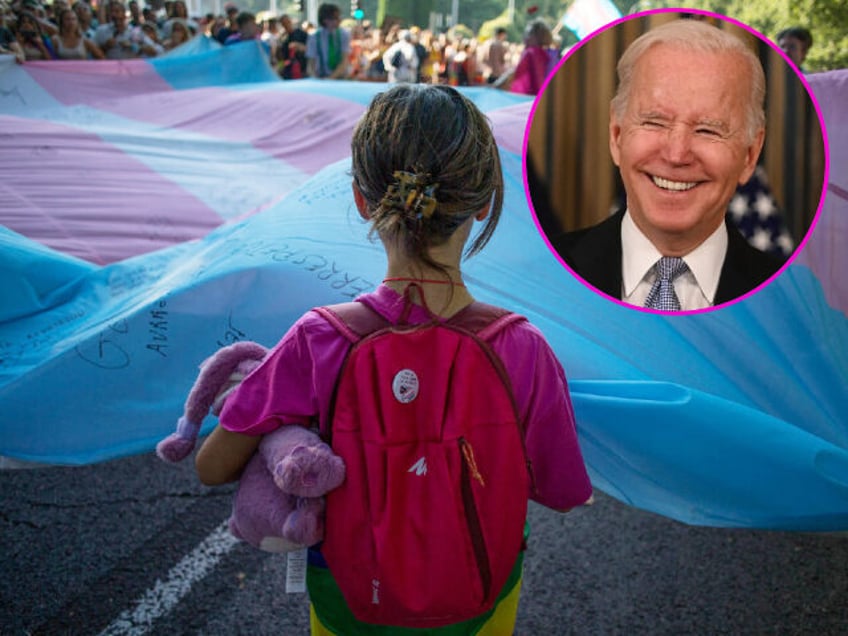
<point>296,572</point>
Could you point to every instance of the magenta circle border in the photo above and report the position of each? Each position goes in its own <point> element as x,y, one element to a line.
<point>752,31</point>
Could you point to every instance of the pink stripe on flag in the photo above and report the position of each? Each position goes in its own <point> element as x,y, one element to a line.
<point>508,124</point>
<point>307,131</point>
<point>50,174</point>
<point>824,252</point>
<point>89,82</point>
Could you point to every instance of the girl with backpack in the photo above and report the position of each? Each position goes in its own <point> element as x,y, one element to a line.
<point>422,191</point>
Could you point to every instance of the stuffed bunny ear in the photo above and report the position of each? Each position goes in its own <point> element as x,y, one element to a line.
<point>177,446</point>
<point>214,378</point>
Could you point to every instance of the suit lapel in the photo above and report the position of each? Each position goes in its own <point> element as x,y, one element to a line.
<point>744,267</point>
<point>597,256</point>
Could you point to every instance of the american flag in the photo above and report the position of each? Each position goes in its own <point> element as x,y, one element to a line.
<point>759,218</point>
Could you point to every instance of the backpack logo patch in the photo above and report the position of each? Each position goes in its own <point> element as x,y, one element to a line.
<point>405,386</point>
<point>419,467</point>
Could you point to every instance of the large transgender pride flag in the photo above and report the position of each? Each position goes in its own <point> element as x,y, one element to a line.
<point>155,211</point>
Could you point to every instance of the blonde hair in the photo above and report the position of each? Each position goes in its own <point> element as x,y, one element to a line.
<point>441,146</point>
<point>693,35</point>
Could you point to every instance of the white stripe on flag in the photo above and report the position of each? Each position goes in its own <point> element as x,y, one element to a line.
<point>585,16</point>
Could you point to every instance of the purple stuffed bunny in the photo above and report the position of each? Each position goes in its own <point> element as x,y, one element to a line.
<point>279,503</point>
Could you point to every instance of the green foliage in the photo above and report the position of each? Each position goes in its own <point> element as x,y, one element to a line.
<point>487,30</point>
<point>410,13</point>
<point>460,32</point>
<point>827,20</point>
<point>473,14</point>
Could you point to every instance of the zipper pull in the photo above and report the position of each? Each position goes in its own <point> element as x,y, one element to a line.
<point>534,489</point>
<point>468,454</point>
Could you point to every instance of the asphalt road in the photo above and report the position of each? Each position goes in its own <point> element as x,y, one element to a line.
<point>135,546</point>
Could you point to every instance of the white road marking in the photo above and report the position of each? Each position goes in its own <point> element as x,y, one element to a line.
<point>164,595</point>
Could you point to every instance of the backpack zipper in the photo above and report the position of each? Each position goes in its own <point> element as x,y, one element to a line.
<point>468,472</point>
<point>500,369</point>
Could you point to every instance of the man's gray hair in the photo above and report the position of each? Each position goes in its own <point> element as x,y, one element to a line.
<point>693,35</point>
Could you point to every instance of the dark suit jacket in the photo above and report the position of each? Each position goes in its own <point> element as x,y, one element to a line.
<point>594,254</point>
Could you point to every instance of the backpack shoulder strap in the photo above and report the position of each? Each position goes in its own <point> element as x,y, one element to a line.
<point>353,320</point>
<point>484,320</point>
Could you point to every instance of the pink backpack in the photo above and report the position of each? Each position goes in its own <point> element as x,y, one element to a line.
<point>429,522</point>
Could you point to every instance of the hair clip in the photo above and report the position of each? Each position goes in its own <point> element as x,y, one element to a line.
<point>414,194</point>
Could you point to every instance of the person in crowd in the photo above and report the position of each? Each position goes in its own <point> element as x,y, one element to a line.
<point>421,52</point>
<point>796,43</point>
<point>535,62</point>
<point>450,48</point>
<point>51,12</point>
<point>136,19</point>
<point>686,127</point>
<point>247,29</point>
<point>373,49</point>
<point>148,16</point>
<point>85,17</point>
<point>225,31</point>
<point>496,55</point>
<point>149,29</point>
<point>70,43</point>
<point>9,44</point>
<point>180,34</point>
<point>401,59</point>
<point>178,10</point>
<point>47,26</point>
<point>328,47</point>
<point>464,66</point>
<point>271,37</point>
<point>118,41</point>
<point>30,39</point>
<point>291,54</point>
<point>214,25</point>
<point>360,44</point>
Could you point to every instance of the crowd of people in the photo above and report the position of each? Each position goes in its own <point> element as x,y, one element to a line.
<point>31,30</point>
<point>330,49</point>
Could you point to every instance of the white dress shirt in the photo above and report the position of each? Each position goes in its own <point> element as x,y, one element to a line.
<point>695,288</point>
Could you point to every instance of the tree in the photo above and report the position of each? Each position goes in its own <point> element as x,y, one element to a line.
<point>411,12</point>
<point>827,20</point>
<point>488,28</point>
<point>473,13</point>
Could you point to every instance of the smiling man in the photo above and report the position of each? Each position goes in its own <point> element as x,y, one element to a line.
<point>686,127</point>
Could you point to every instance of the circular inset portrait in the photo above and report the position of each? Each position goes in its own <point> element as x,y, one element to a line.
<point>675,161</point>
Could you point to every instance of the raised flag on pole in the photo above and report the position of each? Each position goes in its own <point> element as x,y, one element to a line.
<point>585,16</point>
